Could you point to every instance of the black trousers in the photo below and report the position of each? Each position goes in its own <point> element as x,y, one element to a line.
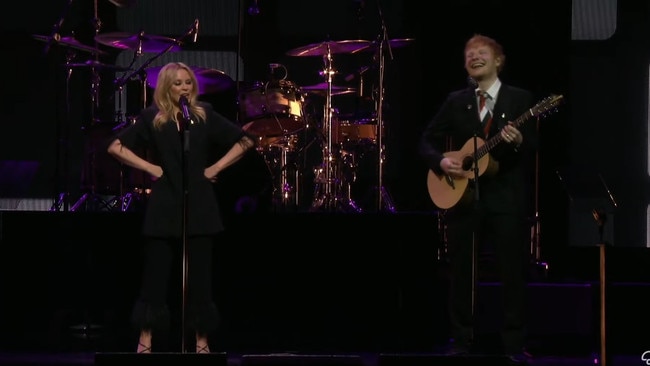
<point>151,310</point>
<point>507,235</point>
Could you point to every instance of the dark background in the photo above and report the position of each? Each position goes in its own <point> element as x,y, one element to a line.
<point>596,141</point>
<point>585,143</point>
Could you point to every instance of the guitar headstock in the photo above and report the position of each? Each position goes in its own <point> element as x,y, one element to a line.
<point>547,104</point>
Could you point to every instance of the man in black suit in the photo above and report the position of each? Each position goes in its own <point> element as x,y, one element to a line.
<point>495,211</point>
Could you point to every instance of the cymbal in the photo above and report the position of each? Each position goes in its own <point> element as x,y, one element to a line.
<point>69,42</point>
<point>145,42</point>
<point>400,42</point>
<point>122,3</point>
<point>321,89</point>
<point>98,65</point>
<point>323,48</point>
<point>394,43</point>
<point>210,80</point>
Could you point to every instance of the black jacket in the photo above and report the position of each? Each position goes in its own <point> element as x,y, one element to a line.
<point>455,125</point>
<point>208,141</point>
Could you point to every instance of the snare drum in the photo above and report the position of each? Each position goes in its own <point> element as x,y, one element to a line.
<point>272,109</point>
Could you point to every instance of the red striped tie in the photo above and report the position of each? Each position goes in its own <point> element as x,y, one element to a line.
<point>485,113</point>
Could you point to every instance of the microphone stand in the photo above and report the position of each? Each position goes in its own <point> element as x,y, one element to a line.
<point>474,226</point>
<point>184,134</point>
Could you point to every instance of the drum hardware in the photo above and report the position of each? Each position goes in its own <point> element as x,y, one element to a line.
<point>329,48</point>
<point>93,198</point>
<point>140,42</point>
<point>392,43</point>
<point>380,46</point>
<point>332,190</point>
<point>87,328</point>
<point>146,43</point>
<point>288,187</point>
<point>321,89</point>
<point>274,74</point>
<point>70,42</point>
<point>279,154</point>
<point>209,80</point>
<point>63,128</point>
<point>122,3</point>
<point>62,158</point>
<point>273,108</point>
<point>93,64</point>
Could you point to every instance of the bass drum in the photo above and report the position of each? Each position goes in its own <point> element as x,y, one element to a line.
<point>272,109</point>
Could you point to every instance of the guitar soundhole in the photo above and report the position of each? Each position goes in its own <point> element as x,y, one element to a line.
<point>468,163</point>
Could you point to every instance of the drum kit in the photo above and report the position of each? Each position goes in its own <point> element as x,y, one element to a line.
<point>107,185</point>
<point>273,111</point>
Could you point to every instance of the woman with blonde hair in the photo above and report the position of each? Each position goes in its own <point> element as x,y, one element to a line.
<point>188,144</point>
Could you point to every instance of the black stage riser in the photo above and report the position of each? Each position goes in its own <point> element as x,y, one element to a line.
<point>312,283</point>
<point>301,360</point>
<point>157,359</point>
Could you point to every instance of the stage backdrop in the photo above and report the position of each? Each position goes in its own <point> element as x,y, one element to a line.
<point>594,53</point>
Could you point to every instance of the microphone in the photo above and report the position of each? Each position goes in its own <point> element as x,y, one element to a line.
<point>196,30</point>
<point>185,108</point>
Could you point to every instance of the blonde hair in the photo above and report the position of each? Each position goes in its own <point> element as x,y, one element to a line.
<point>163,100</point>
<point>479,39</point>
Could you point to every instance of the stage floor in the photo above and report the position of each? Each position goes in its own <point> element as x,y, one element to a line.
<point>287,359</point>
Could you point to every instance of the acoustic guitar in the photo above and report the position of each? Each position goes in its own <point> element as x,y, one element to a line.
<point>446,191</point>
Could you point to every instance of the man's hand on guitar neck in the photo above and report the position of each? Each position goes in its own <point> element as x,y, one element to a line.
<point>511,134</point>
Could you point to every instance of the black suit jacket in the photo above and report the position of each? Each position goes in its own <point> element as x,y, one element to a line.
<point>509,190</point>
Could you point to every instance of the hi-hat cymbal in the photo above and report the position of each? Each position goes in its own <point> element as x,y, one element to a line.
<point>98,65</point>
<point>143,42</point>
<point>210,80</point>
<point>68,42</point>
<point>331,47</point>
<point>321,89</point>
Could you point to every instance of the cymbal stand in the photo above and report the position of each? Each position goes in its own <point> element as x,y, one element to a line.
<point>63,132</point>
<point>123,200</point>
<point>286,189</point>
<point>140,72</point>
<point>126,198</point>
<point>63,144</point>
<point>89,176</point>
<point>383,199</point>
<point>539,265</point>
<point>328,187</point>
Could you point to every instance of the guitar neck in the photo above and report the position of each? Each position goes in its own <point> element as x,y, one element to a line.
<point>496,139</point>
